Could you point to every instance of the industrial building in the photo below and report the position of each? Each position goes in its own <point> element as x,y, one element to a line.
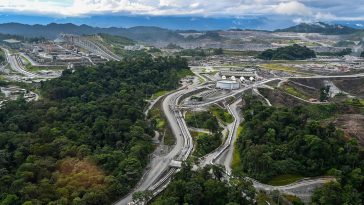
<point>247,72</point>
<point>227,85</point>
<point>12,43</point>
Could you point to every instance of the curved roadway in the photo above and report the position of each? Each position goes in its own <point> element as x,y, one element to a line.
<point>160,170</point>
<point>157,178</point>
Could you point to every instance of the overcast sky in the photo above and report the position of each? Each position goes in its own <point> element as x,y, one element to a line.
<point>296,11</point>
<point>303,9</point>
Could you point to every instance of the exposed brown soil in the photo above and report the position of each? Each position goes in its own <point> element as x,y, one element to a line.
<point>352,125</point>
<point>316,83</point>
<point>279,98</point>
<point>353,86</point>
<point>307,91</point>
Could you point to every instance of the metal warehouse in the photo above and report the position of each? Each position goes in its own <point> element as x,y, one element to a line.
<point>227,85</point>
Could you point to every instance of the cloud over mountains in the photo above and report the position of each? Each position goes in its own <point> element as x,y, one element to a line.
<point>204,14</point>
<point>302,9</point>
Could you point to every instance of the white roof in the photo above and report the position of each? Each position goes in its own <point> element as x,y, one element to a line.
<point>11,41</point>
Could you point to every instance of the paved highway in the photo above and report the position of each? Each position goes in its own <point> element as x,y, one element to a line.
<point>241,90</point>
<point>13,60</point>
<point>160,171</point>
<point>226,156</point>
<point>157,178</point>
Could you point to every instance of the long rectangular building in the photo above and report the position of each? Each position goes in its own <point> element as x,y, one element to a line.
<point>228,73</point>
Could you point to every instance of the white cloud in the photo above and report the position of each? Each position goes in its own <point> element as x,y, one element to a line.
<point>292,8</point>
<point>300,10</point>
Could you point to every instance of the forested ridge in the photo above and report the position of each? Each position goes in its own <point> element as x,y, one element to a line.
<point>292,52</point>
<point>277,141</point>
<point>86,141</point>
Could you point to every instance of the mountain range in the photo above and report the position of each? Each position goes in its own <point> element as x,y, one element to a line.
<point>320,27</point>
<point>51,31</point>
<point>151,33</point>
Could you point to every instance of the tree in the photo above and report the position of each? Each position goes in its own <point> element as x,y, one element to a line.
<point>324,93</point>
<point>10,199</point>
<point>86,141</point>
<point>218,51</point>
<point>205,186</point>
<point>329,194</point>
<point>142,197</point>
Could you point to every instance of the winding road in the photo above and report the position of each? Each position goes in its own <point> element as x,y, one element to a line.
<point>13,60</point>
<point>160,172</point>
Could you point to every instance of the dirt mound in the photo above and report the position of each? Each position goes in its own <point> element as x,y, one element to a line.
<point>352,125</point>
<point>353,86</point>
<point>315,83</point>
<point>279,98</point>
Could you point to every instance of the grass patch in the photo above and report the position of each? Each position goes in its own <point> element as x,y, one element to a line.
<point>284,179</point>
<point>31,68</point>
<point>236,161</point>
<point>158,94</point>
<point>222,114</point>
<point>202,80</point>
<point>293,91</point>
<point>279,67</point>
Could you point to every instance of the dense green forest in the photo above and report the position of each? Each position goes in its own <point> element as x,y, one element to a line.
<point>2,56</point>
<point>294,52</point>
<point>205,143</point>
<point>206,187</point>
<point>204,120</point>
<point>276,141</point>
<point>118,40</point>
<point>346,51</point>
<point>86,141</point>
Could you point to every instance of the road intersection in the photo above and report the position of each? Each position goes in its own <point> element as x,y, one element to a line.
<point>160,173</point>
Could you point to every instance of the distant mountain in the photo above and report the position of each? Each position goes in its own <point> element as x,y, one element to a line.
<point>210,35</point>
<point>320,27</point>
<point>51,31</point>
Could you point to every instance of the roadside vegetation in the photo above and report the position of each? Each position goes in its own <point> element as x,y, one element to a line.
<point>293,91</point>
<point>284,179</point>
<point>160,124</point>
<point>298,142</point>
<point>206,186</point>
<point>86,141</point>
<point>236,161</point>
<point>222,114</point>
<point>206,143</point>
<point>203,120</point>
<point>208,120</point>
